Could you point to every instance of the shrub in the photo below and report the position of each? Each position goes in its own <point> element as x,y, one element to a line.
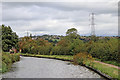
<point>83,59</point>
<point>8,59</point>
<point>4,67</point>
<point>15,57</point>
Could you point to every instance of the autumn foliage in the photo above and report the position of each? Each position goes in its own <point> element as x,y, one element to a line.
<point>105,49</point>
<point>34,46</point>
<point>83,59</point>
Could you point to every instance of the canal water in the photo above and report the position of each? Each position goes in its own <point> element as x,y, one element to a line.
<point>31,67</point>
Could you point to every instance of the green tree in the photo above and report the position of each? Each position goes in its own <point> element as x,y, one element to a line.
<point>9,38</point>
<point>71,31</point>
<point>78,46</point>
<point>72,34</point>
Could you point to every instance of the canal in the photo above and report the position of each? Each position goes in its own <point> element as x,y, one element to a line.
<point>31,67</point>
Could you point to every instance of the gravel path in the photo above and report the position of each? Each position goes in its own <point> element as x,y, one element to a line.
<point>30,67</point>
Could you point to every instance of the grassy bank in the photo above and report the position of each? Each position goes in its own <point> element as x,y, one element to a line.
<point>112,72</point>
<point>64,57</point>
<point>109,62</point>
<point>8,60</point>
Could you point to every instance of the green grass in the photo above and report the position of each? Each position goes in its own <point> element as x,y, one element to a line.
<point>20,53</point>
<point>65,57</point>
<point>112,72</point>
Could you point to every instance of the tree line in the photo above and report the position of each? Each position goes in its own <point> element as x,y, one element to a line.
<point>105,49</point>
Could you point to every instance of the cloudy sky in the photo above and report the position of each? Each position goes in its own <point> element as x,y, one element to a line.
<point>56,17</point>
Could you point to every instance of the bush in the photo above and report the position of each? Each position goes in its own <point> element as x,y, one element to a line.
<point>44,50</point>
<point>4,67</point>
<point>8,59</point>
<point>15,57</point>
<point>104,50</point>
<point>83,59</point>
<point>56,50</point>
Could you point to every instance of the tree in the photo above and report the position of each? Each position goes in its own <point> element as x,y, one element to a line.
<point>26,44</point>
<point>72,34</point>
<point>94,38</point>
<point>9,38</point>
<point>71,31</point>
<point>64,47</point>
<point>78,46</point>
<point>34,46</point>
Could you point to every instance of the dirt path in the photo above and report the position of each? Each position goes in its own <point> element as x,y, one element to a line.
<point>108,64</point>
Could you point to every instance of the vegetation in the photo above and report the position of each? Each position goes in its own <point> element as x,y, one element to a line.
<point>105,49</point>
<point>64,57</point>
<point>113,62</point>
<point>111,71</point>
<point>8,60</point>
<point>9,41</point>
<point>9,38</point>
<point>37,46</point>
<point>51,38</point>
<point>83,59</point>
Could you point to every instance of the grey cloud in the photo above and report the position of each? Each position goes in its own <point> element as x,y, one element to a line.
<point>109,7</point>
<point>56,18</point>
<point>29,9</point>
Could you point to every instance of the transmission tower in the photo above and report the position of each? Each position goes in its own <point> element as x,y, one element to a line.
<point>92,24</point>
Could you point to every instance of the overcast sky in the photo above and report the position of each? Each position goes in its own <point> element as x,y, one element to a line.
<point>56,18</point>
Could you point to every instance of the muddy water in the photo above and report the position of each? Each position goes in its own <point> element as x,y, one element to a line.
<point>30,67</point>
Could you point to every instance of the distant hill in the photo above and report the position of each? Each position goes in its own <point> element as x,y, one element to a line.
<point>56,38</point>
<point>50,38</point>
